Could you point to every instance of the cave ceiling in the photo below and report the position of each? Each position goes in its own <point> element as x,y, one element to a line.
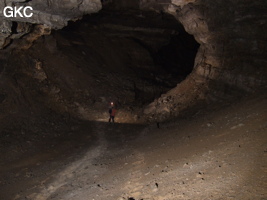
<point>51,14</point>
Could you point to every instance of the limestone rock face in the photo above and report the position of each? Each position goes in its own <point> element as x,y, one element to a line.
<point>232,35</point>
<point>54,14</point>
<point>232,55</point>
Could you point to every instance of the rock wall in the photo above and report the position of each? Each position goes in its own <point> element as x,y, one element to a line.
<point>53,14</point>
<point>231,59</point>
<point>107,57</point>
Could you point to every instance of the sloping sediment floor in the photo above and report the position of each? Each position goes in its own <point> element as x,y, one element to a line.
<point>217,153</point>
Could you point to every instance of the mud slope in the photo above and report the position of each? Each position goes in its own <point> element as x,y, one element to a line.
<point>216,153</point>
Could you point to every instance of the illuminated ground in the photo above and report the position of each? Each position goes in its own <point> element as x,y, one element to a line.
<point>215,153</point>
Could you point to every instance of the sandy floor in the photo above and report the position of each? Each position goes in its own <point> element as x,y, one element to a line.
<point>218,153</point>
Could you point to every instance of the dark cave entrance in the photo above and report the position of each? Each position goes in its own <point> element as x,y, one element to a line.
<point>147,53</point>
<point>178,56</point>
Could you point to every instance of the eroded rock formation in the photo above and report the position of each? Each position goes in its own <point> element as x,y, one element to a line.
<point>124,58</point>
<point>231,59</point>
<point>232,55</point>
<point>51,14</point>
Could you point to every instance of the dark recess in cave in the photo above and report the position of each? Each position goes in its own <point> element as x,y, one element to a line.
<point>14,27</point>
<point>173,57</point>
<point>178,56</point>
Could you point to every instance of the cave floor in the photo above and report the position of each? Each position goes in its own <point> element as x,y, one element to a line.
<point>217,153</point>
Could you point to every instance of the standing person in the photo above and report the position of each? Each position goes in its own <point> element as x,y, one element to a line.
<point>112,112</point>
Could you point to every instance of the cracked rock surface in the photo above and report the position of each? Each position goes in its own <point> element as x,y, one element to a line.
<point>52,14</point>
